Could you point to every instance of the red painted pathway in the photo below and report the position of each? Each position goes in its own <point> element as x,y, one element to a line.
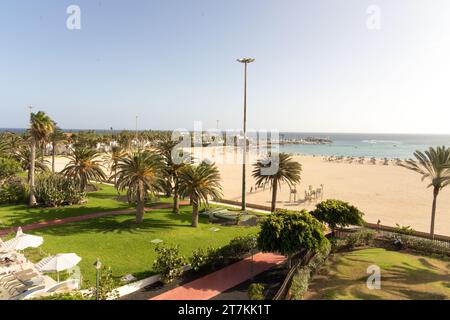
<point>43,224</point>
<point>215,283</point>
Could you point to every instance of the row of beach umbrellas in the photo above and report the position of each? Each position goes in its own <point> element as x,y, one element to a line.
<point>55,263</point>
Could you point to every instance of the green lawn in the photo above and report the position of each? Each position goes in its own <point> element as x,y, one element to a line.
<point>125,247</point>
<point>116,240</point>
<point>403,276</point>
<point>103,200</point>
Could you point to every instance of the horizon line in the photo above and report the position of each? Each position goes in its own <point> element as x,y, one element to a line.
<point>280,131</point>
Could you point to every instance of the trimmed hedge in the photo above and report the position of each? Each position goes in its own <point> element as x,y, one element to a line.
<point>338,214</point>
<point>422,245</point>
<point>236,249</point>
<point>301,278</point>
<point>359,238</point>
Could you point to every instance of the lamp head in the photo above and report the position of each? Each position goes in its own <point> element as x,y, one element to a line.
<point>245,60</point>
<point>97,264</point>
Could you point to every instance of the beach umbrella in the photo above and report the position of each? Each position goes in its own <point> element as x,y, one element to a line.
<point>58,262</point>
<point>22,241</point>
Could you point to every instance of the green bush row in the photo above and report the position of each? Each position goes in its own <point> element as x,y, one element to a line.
<point>359,239</point>
<point>169,262</point>
<point>300,280</point>
<point>425,246</point>
<point>237,248</point>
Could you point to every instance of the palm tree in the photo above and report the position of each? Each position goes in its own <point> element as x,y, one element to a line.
<point>200,182</point>
<point>12,142</point>
<point>165,147</point>
<point>56,138</point>
<point>288,171</point>
<point>433,164</point>
<point>41,127</point>
<point>22,155</point>
<point>113,158</point>
<point>139,173</point>
<point>84,166</point>
<point>4,148</point>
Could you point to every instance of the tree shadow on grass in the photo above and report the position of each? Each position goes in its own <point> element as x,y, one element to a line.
<point>409,275</point>
<point>122,224</point>
<point>23,215</point>
<point>401,281</point>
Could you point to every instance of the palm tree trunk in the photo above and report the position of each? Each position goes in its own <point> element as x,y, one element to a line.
<point>433,211</point>
<point>53,156</point>
<point>274,195</point>
<point>140,204</point>
<point>195,213</point>
<point>176,203</point>
<point>83,184</point>
<point>32,201</point>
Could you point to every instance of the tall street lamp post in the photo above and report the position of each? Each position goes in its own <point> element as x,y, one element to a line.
<point>245,61</point>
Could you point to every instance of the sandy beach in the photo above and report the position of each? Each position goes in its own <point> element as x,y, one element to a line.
<point>389,193</point>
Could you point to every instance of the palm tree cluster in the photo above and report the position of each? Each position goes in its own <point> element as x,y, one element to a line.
<point>141,165</point>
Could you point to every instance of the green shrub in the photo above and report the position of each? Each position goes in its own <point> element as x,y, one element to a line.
<point>288,232</point>
<point>300,283</point>
<point>337,214</point>
<point>107,286</point>
<point>169,263</point>
<point>360,238</point>
<point>76,295</point>
<point>319,258</point>
<point>8,168</point>
<point>54,190</point>
<point>13,191</point>
<point>425,246</point>
<point>202,259</point>
<point>300,280</point>
<point>238,247</point>
<point>404,229</point>
<point>256,291</point>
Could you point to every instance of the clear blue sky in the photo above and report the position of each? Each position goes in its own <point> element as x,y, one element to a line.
<point>171,62</point>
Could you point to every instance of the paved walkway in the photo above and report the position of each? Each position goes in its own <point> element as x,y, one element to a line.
<point>55,222</point>
<point>217,282</point>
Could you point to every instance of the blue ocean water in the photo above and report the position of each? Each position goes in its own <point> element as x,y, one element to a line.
<point>368,145</point>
